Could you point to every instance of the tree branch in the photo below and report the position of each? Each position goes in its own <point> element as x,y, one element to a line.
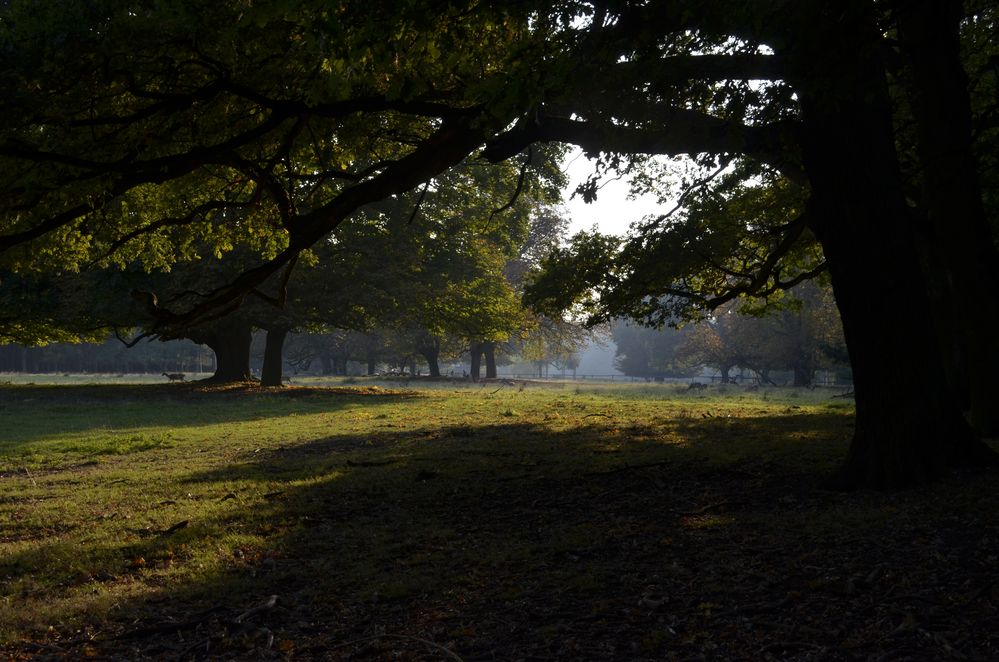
<point>712,67</point>
<point>447,146</point>
<point>680,132</point>
<point>520,184</point>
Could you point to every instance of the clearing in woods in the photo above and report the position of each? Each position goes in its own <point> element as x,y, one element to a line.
<point>450,521</point>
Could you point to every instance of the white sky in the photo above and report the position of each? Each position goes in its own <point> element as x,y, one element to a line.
<point>612,212</point>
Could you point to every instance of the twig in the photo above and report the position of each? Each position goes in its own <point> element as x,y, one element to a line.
<point>176,527</point>
<point>419,201</point>
<point>447,651</point>
<point>32,478</point>
<point>271,602</point>
<point>604,415</point>
<point>520,184</point>
<point>506,382</point>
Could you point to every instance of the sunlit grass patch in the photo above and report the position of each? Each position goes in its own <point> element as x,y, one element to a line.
<point>111,442</point>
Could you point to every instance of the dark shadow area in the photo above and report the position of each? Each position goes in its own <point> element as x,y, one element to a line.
<point>677,540</point>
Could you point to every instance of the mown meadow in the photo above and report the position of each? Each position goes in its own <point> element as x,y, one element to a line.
<point>446,520</point>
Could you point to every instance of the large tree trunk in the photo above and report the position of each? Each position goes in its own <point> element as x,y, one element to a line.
<point>909,427</point>
<point>489,349</point>
<point>230,341</point>
<point>432,357</point>
<point>965,263</point>
<point>475,349</point>
<point>430,350</point>
<point>272,371</point>
<point>804,371</point>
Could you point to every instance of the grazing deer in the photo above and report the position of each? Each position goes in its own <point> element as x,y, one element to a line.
<point>174,376</point>
<point>697,386</point>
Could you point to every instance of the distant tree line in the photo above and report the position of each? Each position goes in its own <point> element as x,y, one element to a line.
<point>802,336</point>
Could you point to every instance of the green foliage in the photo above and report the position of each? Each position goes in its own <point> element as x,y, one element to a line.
<point>576,275</point>
<point>173,134</point>
<point>644,352</point>
<point>734,237</point>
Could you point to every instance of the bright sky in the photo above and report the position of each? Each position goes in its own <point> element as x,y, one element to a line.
<point>612,211</point>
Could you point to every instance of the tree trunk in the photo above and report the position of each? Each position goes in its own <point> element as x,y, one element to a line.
<point>725,378</point>
<point>230,341</point>
<point>909,428</point>
<point>804,372</point>
<point>429,347</point>
<point>327,364</point>
<point>271,373</point>
<point>372,364</point>
<point>966,263</point>
<point>432,357</point>
<point>476,368</point>
<point>489,349</point>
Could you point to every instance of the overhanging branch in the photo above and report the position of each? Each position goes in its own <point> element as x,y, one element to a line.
<point>447,146</point>
<point>679,132</point>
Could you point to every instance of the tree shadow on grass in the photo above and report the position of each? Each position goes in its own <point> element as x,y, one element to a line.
<point>684,538</point>
<point>29,410</point>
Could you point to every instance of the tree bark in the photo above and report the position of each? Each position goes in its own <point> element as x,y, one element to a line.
<point>429,347</point>
<point>230,341</point>
<point>804,372</point>
<point>909,427</point>
<point>432,357</point>
<point>489,349</point>
<point>963,258</point>
<point>272,371</point>
<point>475,349</point>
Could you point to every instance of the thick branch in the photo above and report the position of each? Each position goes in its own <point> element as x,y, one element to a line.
<point>680,132</point>
<point>679,69</point>
<point>132,174</point>
<point>449,145</point>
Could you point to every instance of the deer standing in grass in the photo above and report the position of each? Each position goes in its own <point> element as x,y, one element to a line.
<point>174,376</point>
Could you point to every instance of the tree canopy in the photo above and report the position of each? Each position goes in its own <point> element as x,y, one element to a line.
<point>144,132</point>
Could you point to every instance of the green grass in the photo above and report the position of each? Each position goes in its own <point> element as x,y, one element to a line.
<point>124,505</point>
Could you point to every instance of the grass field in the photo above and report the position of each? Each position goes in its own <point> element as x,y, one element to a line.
<point>376,520</point>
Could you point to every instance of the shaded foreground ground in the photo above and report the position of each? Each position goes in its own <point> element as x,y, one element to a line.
<point>504,522</point>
